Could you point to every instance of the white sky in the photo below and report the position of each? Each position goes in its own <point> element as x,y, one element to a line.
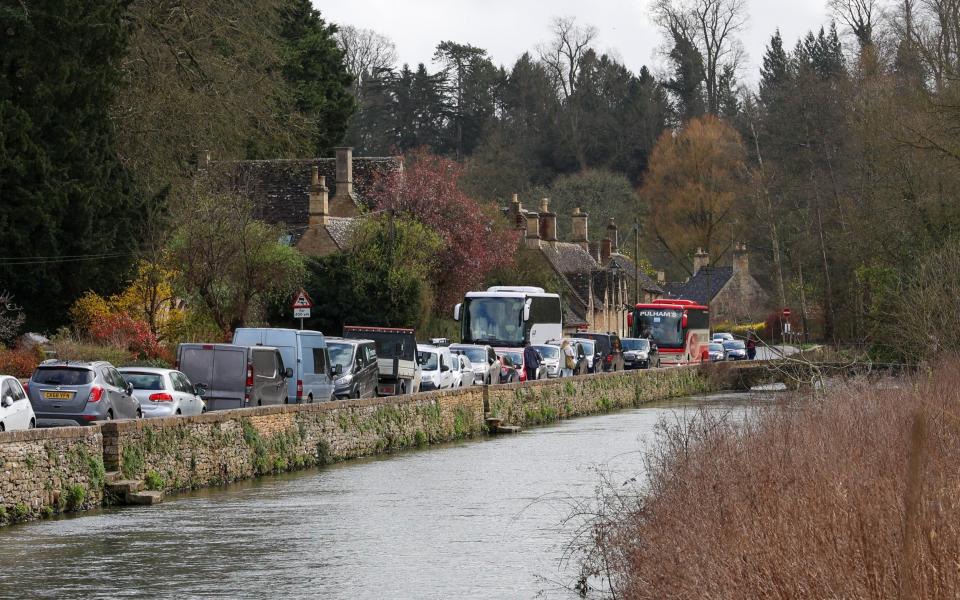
<point>507,28</point>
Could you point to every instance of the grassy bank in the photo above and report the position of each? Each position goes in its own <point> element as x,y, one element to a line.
<point>853,496</point>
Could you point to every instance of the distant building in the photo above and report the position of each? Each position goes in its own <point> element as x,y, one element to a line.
<point>731,292</point>
<point>600,283</point>
<point>295,194</point>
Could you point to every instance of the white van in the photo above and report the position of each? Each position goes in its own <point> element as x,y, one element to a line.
<point>436,363</point>
<point>303,351</point>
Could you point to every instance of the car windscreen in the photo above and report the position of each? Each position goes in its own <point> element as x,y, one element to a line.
<point>63,376</point>
<point>601,342</point>
<point>588,347</point>
<point>734,345</point>
<point>515,357</point>
<point>549,352</point>
<point>144,381</point>
<point>476,355</point>
<point>430,361</point>
<point>390,344</point>
<point>340,354</point>
<point>635,345</point>
<point>716,347</point>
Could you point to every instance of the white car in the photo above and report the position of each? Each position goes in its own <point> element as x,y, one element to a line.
<point>163,392</point>
<point>16,412</point>
<point>462,371</point>
<point>722,337</point>
<point>436,363</point>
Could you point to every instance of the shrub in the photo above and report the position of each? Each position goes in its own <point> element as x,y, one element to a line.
<point>19,363</point>
<point>88,309</point>
<point>123,331</point>
<point>75,494</point>
<point>153,481</point>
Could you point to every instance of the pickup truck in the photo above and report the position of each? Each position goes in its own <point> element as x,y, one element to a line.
<point>396,357</point>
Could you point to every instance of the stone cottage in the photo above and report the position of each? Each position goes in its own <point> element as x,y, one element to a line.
<point>731,292</point>
<point>296,194</point>
<point>600,283</point>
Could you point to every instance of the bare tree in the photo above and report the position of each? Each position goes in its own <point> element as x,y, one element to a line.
<point>563,54</point>
<point>712,25</point>
<point>365,51</point>
<point>859,15</point>
<point>11,318</point>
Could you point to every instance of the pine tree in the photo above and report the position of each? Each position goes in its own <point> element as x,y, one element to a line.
<point>66,196</point>
<point>686,85</point>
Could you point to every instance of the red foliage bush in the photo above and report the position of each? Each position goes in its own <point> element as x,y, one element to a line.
<point>123,331</point>
<point>427,191</point>
<point>19,363</point>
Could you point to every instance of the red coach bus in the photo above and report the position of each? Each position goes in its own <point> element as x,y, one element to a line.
<point>679,328</point>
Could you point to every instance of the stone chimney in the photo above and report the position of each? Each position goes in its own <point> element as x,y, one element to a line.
<point>594,249</point>
<point>516,212</point>
<point>700,260</point>
<point>741,259</point>
<point>319,203</point>
<point>612,235</point>
<point>580,235</point>
<point>606,246</point>
<point>533,230</point>
<point>344,202</point>
<point>661,277</point>
<point>548,222</point>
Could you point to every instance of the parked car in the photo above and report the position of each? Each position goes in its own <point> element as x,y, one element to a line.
<point>15,409</point>
<point>354,367</point>
<point>640,353</point>
<point>589,349</point>
<point>608,351</point>
<point>485,362</point>
<point>722,337</point>
<point>550,358</point>
<point>734,350</point>
<point>164,392</point>
<point>235,376</point>
<point>436,364</point>
<point>716,352</point>
<point>80,393</point>
<point>462,371</point>
<point>581,363</point>
<point>303,351</point>
<point>516,360</point>
<point>400,372</point>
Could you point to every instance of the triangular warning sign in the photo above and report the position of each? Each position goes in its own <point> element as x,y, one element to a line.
<point>302,300</point>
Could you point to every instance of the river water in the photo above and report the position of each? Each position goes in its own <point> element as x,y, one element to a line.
<point>478,519</point>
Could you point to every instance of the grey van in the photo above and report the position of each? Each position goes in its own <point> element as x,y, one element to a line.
<point>303,351</point>
<point>80,393</point>
<point>235,376</point>
<point>356,364</point>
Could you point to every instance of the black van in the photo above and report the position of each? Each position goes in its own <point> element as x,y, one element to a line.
<point>609,351</point>
<point>355,365</point>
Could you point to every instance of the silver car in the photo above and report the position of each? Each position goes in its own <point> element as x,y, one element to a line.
<point>550,358</point>
<point>164,392</point>
<point>80,393</point>
<point>484,361</point>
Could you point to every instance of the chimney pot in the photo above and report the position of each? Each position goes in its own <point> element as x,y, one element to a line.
<point>319,200</point>
<point>700,260</point>
<point>533,230</point>
<point>580,231</point>
<point>612,235</point>
<point>741,259</point>
<point>344,201</point>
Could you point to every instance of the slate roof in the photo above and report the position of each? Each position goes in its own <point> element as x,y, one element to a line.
<point>568,258</point>
<point>341,230</point>
<point>281,188</point>
<point>628,268</point>
<point>703,286</point>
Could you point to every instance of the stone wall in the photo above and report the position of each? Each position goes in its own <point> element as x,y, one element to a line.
<point>48,471</point>
<point>54,470</point>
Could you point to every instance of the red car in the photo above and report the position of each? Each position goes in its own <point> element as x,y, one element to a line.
<point>511,365</point>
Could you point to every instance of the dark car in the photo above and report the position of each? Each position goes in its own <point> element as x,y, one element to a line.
<point>355,366</point>
<point>640,353</point>
<point>609,351</point>
<point>80,393</point>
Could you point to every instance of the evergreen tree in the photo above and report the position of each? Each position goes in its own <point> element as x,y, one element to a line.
<point>66,196</point>
<point>313,65</point>
<point>686,85</point>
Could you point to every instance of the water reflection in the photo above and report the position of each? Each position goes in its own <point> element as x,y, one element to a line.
<point>479,519</point>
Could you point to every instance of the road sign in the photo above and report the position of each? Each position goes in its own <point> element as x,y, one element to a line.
<point>786,313</point>
<point>301,313</point>
<point>302,300</point>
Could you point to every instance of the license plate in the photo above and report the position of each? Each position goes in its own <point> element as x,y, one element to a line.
<point>58,395</point>
<point>386,389</point>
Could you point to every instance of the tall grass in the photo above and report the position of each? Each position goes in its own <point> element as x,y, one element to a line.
<point>853,496</point>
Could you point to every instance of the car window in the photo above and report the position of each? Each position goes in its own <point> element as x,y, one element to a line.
<point>6,390</point>
<point>118,379</point>
<point>146,381</point>
<point>62,376</point>
<point>370,353</point>
<point>319,361</point>
<point>18,393</point>
<point>181,383</point>
<point>107,377</point>
<point>428,360</point>
<point>265,364</point>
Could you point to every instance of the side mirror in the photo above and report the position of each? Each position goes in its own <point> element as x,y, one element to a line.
<point>456,312</point>
<point>526,310</point>
<point>129,389</point>
<point>445,368</point>
<point>288,373</point>
<point>338,369</point>
<point>200,389</point>
<point>7,401</point>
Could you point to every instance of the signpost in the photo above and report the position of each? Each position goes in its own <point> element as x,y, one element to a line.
<point>786,322</point>
<point>302,303</point>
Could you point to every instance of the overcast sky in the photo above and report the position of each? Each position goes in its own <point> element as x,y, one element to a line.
<point>508,28</point>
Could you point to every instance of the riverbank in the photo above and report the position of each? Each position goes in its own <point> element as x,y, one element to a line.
<point>50,471</point>
<point>853,496</point>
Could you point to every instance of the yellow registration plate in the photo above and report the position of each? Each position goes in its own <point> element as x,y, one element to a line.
<point>58,395</point>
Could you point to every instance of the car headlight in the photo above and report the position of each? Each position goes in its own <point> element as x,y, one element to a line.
<point>345,380</point>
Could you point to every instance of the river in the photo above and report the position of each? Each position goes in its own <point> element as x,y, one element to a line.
<point>477,519</point>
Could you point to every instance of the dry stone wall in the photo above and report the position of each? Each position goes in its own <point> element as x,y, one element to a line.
<point>56,470</point>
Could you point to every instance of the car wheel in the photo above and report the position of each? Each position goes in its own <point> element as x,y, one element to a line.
<point>33,423</point>
<point>178,413</point>
<point>139,414</point>
<point>3,427</point>
<point>109,415</point>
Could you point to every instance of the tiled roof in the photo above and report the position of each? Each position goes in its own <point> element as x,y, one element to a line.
<point>568,258</point>
<point>628,268</point>
<point>703,286</point>
<point>281,188</point>
<point>341,230</point>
